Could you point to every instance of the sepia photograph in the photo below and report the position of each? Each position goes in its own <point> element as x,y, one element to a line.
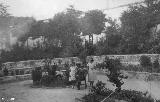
<point>79,50</point>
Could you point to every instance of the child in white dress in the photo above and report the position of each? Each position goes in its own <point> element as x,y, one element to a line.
<point>72,77</point>
<point>91,72</point>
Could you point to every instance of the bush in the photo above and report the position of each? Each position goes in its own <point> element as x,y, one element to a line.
<point>98,88</point>
<point>156,65</point>
<point>1,73</point>
<point>126,95</point>
<point>115,77</point>
<point>5,71</point>
<point>145,61</point>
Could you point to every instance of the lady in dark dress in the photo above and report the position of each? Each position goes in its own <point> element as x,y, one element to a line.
<point>80,75</point>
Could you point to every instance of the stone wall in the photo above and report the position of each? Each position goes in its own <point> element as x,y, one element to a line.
<point>34,63</point>
<point>125,60</point>
<point>8,79</point>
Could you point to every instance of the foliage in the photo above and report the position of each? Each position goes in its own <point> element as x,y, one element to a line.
<point>60,36</point>
<point>136,33</point>
<point>99,87</point>
<point>62,33</point>
<point>82,56</point>
<point>156,64</point>
<point>145,61</point>
<point>1,73</point>
<point>136,26</point>
<point>4,10</point>
<point>5,71</point>
<point>133,96</point>
<point>93,22</point>
<point>112,42</point>
<point>126,95</point>
<point>115,77</point>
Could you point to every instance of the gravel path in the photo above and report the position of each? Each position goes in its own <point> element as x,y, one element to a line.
<point>23,92</point>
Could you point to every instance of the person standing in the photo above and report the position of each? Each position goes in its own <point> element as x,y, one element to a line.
<point>5,71</point>
<point>72,77</point>
<point>67,68</point>
<point>80,75</point>
<point>91,72</point>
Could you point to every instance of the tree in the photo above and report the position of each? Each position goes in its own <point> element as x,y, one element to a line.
<point>61,33</point>
<point>112,42</point>
<point>93,22</point>
<point>4,10</point>
<point>137,22</point>
<point>66,26</point>
<point>3,14</point>
<point>114,75</point>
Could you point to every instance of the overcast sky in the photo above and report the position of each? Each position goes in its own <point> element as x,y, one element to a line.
<point>43,9</point>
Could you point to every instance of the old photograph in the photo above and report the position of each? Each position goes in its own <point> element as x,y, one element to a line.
<point>79,50</point>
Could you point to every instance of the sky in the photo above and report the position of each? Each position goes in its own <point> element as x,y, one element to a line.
<point>44,9</point>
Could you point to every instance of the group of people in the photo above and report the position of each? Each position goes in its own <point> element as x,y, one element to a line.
<point>75,73</point>
<point>45,75</point>
<point>79,73</point>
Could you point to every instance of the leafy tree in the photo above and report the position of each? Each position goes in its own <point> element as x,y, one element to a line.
<point>93,22</point>
<point>67,28</point>
<point>4,10</point>
<point>3,14</point>
<point>114,75</point>
<point>60,33</point>
<point>136,26</point>
<point>112,42</point>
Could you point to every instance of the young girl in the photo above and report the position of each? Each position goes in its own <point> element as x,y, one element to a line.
<point>91,72</point>
<point>72,77</point>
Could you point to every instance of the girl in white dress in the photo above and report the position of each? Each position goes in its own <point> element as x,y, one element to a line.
<point>72,77</point>
<point>92,72</point>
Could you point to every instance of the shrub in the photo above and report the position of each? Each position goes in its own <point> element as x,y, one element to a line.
<point>156,65</point>
<point>99,87</point>
<point>115,77</point>
<point>5,71</point>
<point>145,61</point>
<point>126,95</point>
<point>12,72</point>
<point>1,73</point>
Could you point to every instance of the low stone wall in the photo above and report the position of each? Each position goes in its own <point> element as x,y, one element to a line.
<point>33,63</point>
<point>125,60</point>
<point>8,79</point>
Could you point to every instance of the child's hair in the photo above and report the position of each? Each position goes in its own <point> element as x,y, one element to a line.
<point>73,63</point>
<point>91,59</point>
<point>78,65</point>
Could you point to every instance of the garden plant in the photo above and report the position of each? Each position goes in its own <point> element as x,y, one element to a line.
<point>100,93</point>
